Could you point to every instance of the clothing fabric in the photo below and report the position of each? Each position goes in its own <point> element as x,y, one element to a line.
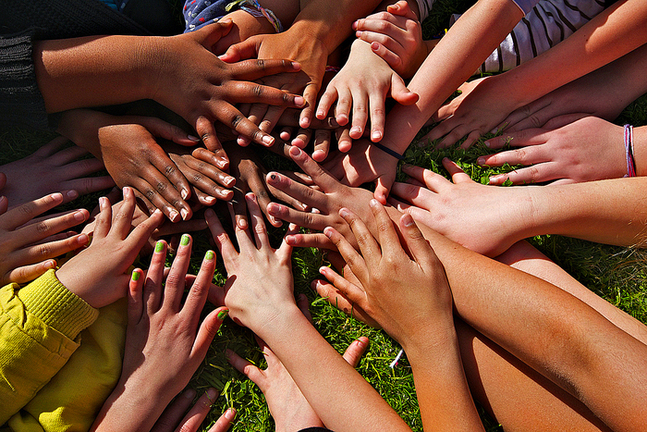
<point>25,21</point>
<point>198,13</point>
<point>424,6</point>
<point>545,24</point>
<point>59,357</point>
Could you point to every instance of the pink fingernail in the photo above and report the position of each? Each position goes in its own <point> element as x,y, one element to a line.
<point>269,140</point>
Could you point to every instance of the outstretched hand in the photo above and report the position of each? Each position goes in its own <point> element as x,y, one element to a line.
<point>569,149</point>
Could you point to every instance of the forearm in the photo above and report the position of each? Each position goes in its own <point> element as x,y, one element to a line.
<point>330,25</point>
<point>610,35</point>
<point>93,71</point>
<point>443,393</point>
<point>453,60</point>
<point>339,395</point>
<point>131,407</point>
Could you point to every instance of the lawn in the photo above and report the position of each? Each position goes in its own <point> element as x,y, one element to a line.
<point>617,274</point>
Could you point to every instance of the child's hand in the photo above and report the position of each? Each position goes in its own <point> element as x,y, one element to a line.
<point>64,172</point>
<point>27,247</point>
<point>485,219</point>
<point>364,83</point>
<point>569,149</point>
<point>171,419</point>
<point>201,88</point>
<point>98,273</point>
<point>481,108</point>
<point>289,408</point>
<point>406,292</point>
<point>365,163</point>
<point>396,36</point>
<point>260,283</point>
<point>165,342</point>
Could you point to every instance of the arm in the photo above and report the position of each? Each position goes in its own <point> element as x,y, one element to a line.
<point>545,327</point>
<point>259,294</point>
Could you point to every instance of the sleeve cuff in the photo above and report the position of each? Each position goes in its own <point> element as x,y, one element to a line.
<point>56,306</point>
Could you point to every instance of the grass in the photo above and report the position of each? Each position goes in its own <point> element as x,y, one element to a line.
<point>616,274</point>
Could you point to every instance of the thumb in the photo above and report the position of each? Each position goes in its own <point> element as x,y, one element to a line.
<point>382,188</point>
<point>400,92</point>
<point>161,129</point>
<point>243,50</point>
<point>209,35</point>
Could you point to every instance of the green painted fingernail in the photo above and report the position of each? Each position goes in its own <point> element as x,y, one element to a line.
<point>185,239</point>
<point>159,246</point>
<point>208,255</point>
<point>136,276</point>
<point>223,314</point>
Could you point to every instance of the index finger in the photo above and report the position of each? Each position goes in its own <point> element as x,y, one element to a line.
<point>319,176</point>
<point>250,70</point>
<point>386,235</point>
<point>26,212</point>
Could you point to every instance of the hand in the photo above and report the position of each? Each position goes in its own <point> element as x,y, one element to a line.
<point>200,167</point>
<point>365,163</point>
<point>165,341</point>
<point>246,166</point>
<point>364,82</point>
<point>406,292</point>
<point>63,172</point>
<point>396,36</point>
<point>165,229</point>
<point>201,88</point>
<point>587,149</point>
<point>128,147</point>
<point>259,278</point>
<point>172,420</point>
<point>480,108</point>
<point>331,197</point>
<point>309,52</point>
<point>485,219</point>
<point>289,408</point>
<point>27,247</point>
<point>98,273</point>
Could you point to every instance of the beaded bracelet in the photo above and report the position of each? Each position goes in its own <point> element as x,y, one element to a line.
<point>629,150</point>
<point>388,151</point>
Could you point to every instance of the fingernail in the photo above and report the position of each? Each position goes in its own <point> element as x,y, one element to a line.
<point>79,216</point>
<point>210,199</point>
<point>212,394</point>
<point>480,161</point>
<point>299,101</point>
<point>230,414</point>
<point>355,129</point>
<point>376,135</point>
<point>360,343</point>
<point>269,140</point>
<point>193,138</point>
<point>318,154</point>
<point>487,143</point>
<point>189,394</point>
<point>159,246</point>
<point>184,193</point>
<point>343,212</point>
<point>173,215</point>
<point>185,239</point>
<point>373,203</point>
<point>223,314</point>
<point>297,151</point>
<point>407,220</point>
<point>222,164</point>
<point>209,255</point>
<point>83,239</point>
<point>320,115</point>
<point>225,21</point>
<point>328,231</point>
<point>135,276</point>
<point>185,214</point>
<point>72,194</point>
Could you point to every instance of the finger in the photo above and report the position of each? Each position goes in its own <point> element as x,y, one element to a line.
<point>542,172</point>
<point>83,167</point>
<point>174,286</point>
<point>525,156</point>
<point>310,96</point>
<point>355,351</point>
<point>199,291</point>
<point>321,145</point>
<point>29,272</point>
<point>24,213</point>
<point>387,240</point>
<point>251,70</point>
<point>383,187</point>
<point>173,413</point>
<point>67,155</point>
<point>152,296</point>
<point>205,129</point>
<point>124,216</point>
<point>360,114</point>
<point>258,224</point>
<point>522,138</point>
<point>353,259</point>
<point>301,218</point>
<point>412,194</point>
<point>239,206</point>
<point>170,184</point>
<point>260,190</point>
<point>220,237</point>
<point>247,368</point>
<point>471,138</point>
<point>160,128</point>
<point>344,103</point>
<point>298,191</point>
<point>51,147</point>
<point>563,120</point>
<point>393,59</point>
<point>103,221</point>
<point>242,50</point>
<point>326,101</point>
<point>43,251</point>
<point>194,418</point>
<point>435,182</point>
<point>135,302</point>
<point>531,116</point>
<point>417,245</point>
<point>90,185</point>
<point>303,138</point>
<point>344,144</point>
<point>319,176</point>
<point>51,225</point>
<point>207,332</point>
<point>304,306</point>
<point>224,422</point>
<point>271,118</point>
<point>337,299</point>
<point>315,240</point>
<point>369,246</point>
<point>457,174</point>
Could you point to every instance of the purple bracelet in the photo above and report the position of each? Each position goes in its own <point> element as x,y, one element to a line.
<point>629,151</point>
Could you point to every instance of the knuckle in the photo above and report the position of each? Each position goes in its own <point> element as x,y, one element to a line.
<point>42,227</point>
<point>536,121</point>
<point>169,170</point>
<point>160,186</point>
<point>257,91</point>
<point>150,193</point>
<point>260,63</point>
<point>235,121</point>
